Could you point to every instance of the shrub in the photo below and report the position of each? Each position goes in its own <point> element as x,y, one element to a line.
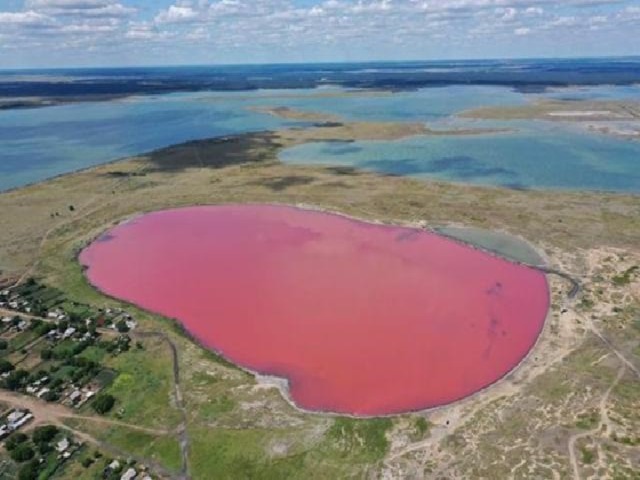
<point>15,440</point>
<point>29,471</point>
<point>45,434</point>
<point>51,396</point>
<point>103,403</point>
<point>6,366</point>
<point>16,379</point>
<point>22,453</point>
<point>44,448</point>
<point>122,326</point>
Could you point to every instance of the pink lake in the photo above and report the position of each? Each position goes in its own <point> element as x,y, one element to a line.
<point>360,318</point>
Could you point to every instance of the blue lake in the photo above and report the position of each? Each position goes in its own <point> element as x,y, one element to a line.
<point>40,143</point>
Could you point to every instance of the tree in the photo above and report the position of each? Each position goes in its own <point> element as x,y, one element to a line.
<point>16,379</point>
<point>3,344</point>
<point>51,396</point>
<point>44,448</point>
<point>103,403</point>
<point>6,366</point>
<point>122,326</point>
<point>46,354</point>
<point>45,433</point>
<point>29,471</point>
<point>15,440</point>
<point>22,453</point>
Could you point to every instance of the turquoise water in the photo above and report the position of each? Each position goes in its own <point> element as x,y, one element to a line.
<point>538,156</point>
<point>535,154</point>
<point>41,143</point>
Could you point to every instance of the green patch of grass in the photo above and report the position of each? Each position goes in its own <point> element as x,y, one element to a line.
<point>163,449</point>
<point>22,339</point>
<point>422,426</point>
<point>143,387</point>
<point>364,439</point>
<point>588,421</point>
<point>216,406</point>
<point>93,353</point>
<point>626,277</point>
<point>243,453</point>
<point>588,456</point>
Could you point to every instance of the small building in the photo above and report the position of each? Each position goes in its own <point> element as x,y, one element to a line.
<point>68,332</point>
<point>114,466</point>
<point>15,416</point>
<point>42,392</point>
<point>19,423</point>
<point>129,474</point>
<point>75,396</point>
<point>62,445</point>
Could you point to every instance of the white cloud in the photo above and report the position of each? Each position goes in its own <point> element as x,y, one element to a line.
<point>353,28</point>
<point>23,18</point>
<point>87,8</point>
<point>177,14</point>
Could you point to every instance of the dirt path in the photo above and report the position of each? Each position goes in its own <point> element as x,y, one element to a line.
<point>459,415</point>
<point>182,431</point>
<point>58,412</point>
<point>604,422</point>
<point>55,413</point>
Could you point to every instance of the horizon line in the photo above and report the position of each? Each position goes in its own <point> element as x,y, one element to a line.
<point>337,62</point>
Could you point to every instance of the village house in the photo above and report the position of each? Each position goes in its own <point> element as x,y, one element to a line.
<point>62,445</point>
<point>129,474</point>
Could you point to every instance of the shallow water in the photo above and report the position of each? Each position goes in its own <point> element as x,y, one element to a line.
<point>36,144</point>
<point>361,319</point>
<point>499,243</point>
<point>540,155</point>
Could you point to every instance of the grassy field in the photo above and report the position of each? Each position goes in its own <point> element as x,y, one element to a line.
<point>239,429</point>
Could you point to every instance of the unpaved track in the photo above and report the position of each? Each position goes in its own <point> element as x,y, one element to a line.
<point>604,421</point>
<point>182,431</point>
<point>45,413</point>
<point>56,414</point>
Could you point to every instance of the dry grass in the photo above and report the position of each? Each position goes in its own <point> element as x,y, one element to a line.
<point>542,401</point>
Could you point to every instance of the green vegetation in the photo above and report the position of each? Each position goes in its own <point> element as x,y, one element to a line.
<point>626,277</point>
<point>103,403</point>
<point>588,421</point>
<point>588,456</point>
<point>422,426</point>
<point>238,431</point>
<point>362,438</point>
<point>6,366</point>
<point>36,455</point>
<point>45,434</point>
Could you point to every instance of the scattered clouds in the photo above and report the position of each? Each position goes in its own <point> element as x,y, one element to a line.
<point>207,31</point>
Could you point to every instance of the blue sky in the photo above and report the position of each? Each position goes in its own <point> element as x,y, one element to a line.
<point>61,33</point>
